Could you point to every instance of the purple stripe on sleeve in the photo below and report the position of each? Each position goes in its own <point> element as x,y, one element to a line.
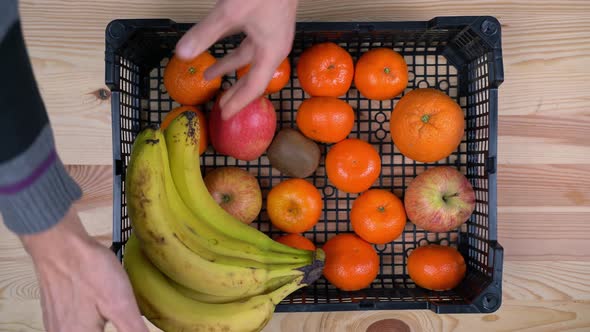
<point>29,180</point>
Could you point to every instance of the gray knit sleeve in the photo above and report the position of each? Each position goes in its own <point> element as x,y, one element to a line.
<point>35,189</point>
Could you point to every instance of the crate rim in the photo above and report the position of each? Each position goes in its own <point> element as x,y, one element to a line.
<point>488,28</point>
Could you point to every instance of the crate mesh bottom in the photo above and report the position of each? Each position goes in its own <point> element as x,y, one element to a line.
<point>144,101</point>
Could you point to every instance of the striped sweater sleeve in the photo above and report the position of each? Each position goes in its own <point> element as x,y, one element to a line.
<point>35,189</point>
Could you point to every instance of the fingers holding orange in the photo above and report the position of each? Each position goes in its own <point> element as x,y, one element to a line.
<point>185,81</point>
<point>351,263</point>
<point>378,216</point>
<point>279,80</point>
<point>325,119</point>
<point>353,165</point>
<point>381,74</point>
<point>294,205</point>
<point>325,69</point>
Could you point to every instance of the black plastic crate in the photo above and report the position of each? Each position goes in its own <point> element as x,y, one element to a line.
<point>460,55</point>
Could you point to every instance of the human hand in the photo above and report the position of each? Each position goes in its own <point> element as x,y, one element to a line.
<point>81,282</point>
<point>269,27</point>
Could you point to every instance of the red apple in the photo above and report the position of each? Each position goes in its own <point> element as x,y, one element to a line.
<point>246,135</point>
<point>440,199</point>
<point>236,191</point>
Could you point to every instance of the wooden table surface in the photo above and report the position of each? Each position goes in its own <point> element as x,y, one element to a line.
<point>544,151</point>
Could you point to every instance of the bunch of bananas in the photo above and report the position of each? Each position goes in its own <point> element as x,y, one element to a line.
<point>192,265</point>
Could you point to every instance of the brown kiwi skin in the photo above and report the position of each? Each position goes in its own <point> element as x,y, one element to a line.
<point>293,154</point>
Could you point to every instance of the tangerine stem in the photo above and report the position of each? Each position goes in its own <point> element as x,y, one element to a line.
<point>386,70</point>
<point>425,118</point>
<point>192,70</point>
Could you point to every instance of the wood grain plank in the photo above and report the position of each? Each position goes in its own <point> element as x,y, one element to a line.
<point>517,316</point>
<point>540,151</point>
<point>541,296</point>
<point>566,130</point>
<point>543,185</point>
<point>544,58</point>
<point>543,139</point>
<point>533,235</point>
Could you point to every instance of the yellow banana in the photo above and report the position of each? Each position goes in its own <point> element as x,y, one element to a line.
<point>193,231</point>
<point>171,311</point>
<point>150,216</point>
<point>182,140</point>
<point>270,286</point>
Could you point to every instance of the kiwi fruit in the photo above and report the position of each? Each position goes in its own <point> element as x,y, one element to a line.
<point>294,154</point>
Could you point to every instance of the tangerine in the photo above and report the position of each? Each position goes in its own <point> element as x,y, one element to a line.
<point>427,125</point>
<point>325,69</point>
<point>185,81</point>
<point>378,216</point>
<point>296,241</point>
<point>381,74</point>
<point>294,205</point>
<point>279,79</point>
<point>436,267</point>
<point>325,119</point>
<point>351,263</point>
<point>353,165</point>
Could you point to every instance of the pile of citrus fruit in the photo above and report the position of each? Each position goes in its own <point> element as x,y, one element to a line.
<point>426,126</point>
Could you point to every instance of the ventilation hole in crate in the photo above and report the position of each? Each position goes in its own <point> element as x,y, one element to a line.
<point>423,84</point>
<point>423,242</point>
<point>380,117</point>
<point>411,78</point>
<point>328,191</point>
<point>443,85</point>
<point>380,134</point>
<point>408,251</point>
<point>381,247</point>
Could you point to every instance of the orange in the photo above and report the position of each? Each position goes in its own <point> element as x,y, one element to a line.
<point>427,125</point>
<point>203,139</point>
<point>325,69</point>
<point>378,216</point>
<point>279,79</point>
<point>185,82</point>
<point>381,74</point>
<point>294,205</point>
<point>325,119</point>
<point>351,263</point>
<point>353,165</point>
<point>436,267</point>
<point>296,241</point>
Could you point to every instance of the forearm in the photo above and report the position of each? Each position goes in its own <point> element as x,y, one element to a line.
<point>35,190</point>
